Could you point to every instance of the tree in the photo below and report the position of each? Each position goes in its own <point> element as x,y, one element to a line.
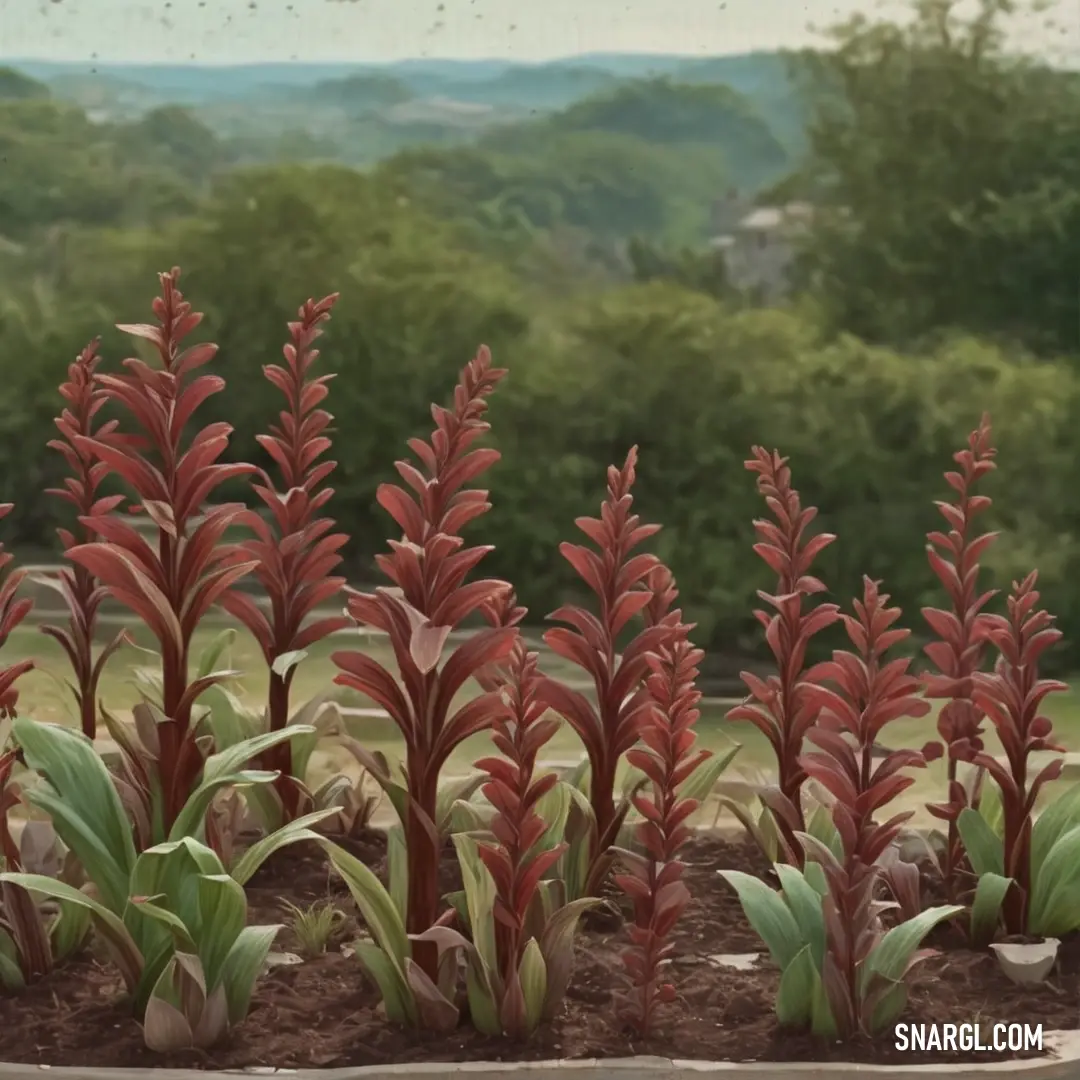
<point>949,175</point>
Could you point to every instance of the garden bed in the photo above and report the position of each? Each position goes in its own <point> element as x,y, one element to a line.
<point>322,1013</point>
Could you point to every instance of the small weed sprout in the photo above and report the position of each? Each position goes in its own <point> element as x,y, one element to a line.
<point>314,926</point>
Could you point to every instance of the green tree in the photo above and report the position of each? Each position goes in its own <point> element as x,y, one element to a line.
<point>949,174</point>
<point>415,305</point>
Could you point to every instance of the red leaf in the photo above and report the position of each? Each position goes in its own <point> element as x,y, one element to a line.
<point>361,672</point>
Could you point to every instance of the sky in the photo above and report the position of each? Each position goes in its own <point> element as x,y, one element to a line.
<point>247,31</point>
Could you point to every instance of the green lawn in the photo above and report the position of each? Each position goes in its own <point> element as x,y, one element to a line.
<point>43,696</point>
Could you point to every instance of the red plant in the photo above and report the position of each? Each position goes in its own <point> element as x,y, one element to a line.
<point>871,692</point>
<point>654,881</point>
<point>170,588</point>
<point>13,609</point>
<point>1012,698</point>
<point>611,727</point>
<point>295,553</point>
<point>784,706</point>
<point>428,567</point>
<point>959,652</point>
<point>520,731</point>
<point>81,592</point>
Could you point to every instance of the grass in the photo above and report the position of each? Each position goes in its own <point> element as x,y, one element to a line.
<point>43,696</point>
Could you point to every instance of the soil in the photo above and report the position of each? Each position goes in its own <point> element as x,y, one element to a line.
<point>322,1013</point>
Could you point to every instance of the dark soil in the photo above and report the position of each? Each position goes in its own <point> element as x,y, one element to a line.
<point>323,1013</point>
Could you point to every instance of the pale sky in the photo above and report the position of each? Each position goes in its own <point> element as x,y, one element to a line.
<point>245,31</point>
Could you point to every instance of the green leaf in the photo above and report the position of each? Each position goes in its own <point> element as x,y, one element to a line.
<point>468,817</point>
<point>11,976</point>
<point>287,660</point>
<point>223,770</point>
<point>242,968</point>
<point>378,910</point>
<point>557,947</point>
<point>700,783</point>
<point>553,808</point>
<point>229,721</point>
<point>114,933</point>
<point>322,715</point>
<point>223,906</point>
<point>770,917</point>
<point>68,930</point>
<point>233,758</point>
<point>149,682</point>
<point>822,1021</point>
<point>805,903</point>
<point>232,723</point>
<point>795,998</point>
<point>986,907</point>
<point>891,957</point>
<point>578,777</point>
<point>479,898</point>
<point>461,790</point>
<point>1054,905</point>
<point>821,827</point>
<point>292,833</point>
<point>983,847</point>
<point>483,1008</point>
<point>215,649</point>
<point>79,796</point>
<point>769,834</point>
<point>397,997</point>
<point>1062,815</point>
<point>575,865</point>
<point>814,873</point>
<point>458,901</point>
<point>182,938</point>
<point>990,808</point>
<point>532,971</point>
<point>397,868</point>
<point>889,1006</point>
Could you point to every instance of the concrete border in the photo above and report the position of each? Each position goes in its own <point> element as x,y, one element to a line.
<point>1061,1063</point>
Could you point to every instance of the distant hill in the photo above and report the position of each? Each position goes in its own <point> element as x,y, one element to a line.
<point>355,93</point>
<point>498,83</point>
<point>743,105</point>
<point>189,84</point>
<point>763,78</point>
<point>539,87</point>
<point>15,85</point>
<point>664,113</point>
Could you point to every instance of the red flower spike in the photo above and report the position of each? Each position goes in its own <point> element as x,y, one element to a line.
<point>295,550</point>
<point>519,731</point>
<point>958,652</point>
<point>858,694</point>
<point>429,600</point>
<point>170,588</point>
<point>82,593</point>
<point>588,641</point>
<point>1012,698</point>
<point>654,881</point>
<point>782,706</point>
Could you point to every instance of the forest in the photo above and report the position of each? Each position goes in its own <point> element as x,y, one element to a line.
<point>563,216</point>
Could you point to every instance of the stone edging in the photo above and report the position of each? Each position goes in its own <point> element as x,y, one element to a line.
<point>1063,1063</point>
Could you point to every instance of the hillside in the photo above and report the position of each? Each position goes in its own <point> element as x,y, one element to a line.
<point>620,157</point>
<point>508,90</point>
